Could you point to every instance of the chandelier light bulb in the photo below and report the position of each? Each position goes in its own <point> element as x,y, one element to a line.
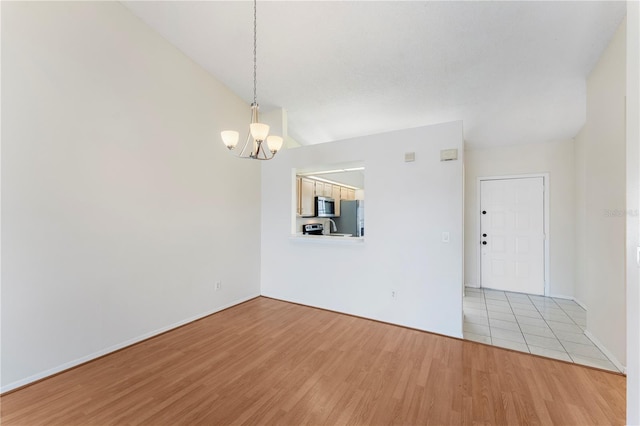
<point>259,131</point>
<point>230,138</point>
<point>274,143</point>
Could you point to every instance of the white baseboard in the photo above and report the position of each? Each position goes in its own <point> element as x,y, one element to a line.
<point>595,341</point>
<point>606,351</point>
<point>582,305</point>
<point>102,352</point>
<point>560,296</point>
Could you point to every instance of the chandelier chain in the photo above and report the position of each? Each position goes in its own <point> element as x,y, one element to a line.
<point>255,43</point>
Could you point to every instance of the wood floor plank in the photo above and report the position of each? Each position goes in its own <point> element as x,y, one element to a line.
<point>271,362</point>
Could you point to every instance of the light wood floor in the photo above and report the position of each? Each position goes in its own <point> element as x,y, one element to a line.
<point>271,362</point>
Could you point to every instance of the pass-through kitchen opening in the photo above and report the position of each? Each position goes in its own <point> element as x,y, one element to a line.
<point>329,201</point>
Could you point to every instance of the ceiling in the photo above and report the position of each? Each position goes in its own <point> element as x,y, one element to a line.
<point>514,72</point>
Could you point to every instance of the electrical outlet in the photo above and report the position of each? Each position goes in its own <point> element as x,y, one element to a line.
<point>218,285</point>
<point>394,294</point>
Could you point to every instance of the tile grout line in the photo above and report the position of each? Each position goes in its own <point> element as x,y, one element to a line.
<point>583,333</point>
<point>571,318</point>
<point>486,309</point>
<point>545,321</point>
<point>504,293</point>
<point>552,331</point>
<point>517,322</point>
<point>547,301</point>
<point>488,318</point>
<point>484,301</point>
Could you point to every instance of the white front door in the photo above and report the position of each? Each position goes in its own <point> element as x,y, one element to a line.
<point>512,234</point>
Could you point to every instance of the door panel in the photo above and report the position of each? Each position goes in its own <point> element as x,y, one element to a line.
<point>512,217</point>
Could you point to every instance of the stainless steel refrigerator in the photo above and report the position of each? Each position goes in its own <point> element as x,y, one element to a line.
<point>351,220</point>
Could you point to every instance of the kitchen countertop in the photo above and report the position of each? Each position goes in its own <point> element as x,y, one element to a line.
<point>326,239</point>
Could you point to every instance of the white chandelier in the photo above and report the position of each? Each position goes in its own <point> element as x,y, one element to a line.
<point>258,132</point>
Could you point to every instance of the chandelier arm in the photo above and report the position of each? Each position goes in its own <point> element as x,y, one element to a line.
<point>264,156</point>
<point>247,143</point>
<point>265,153</point>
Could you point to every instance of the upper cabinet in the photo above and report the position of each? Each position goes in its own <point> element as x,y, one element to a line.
<point>306,194</point>
<point>298,179</point>
<point>324,189</point>
<point>319,189</point>
<point>347,193</point>
<point>335,194</point>
<point>307,189</point>
<point>344,193</point>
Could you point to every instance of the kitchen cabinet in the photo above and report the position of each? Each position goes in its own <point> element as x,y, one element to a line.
<point>335,194</point>
<point>344,193</point>
<point>307,189</point>
<point>298,196</point>
<point>306,197</point>
<point>347,193</point>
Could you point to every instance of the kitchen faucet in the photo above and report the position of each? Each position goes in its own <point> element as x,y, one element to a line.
<point>333,225</point>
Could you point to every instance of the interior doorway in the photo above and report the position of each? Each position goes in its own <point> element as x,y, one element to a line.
<point>512,234</point>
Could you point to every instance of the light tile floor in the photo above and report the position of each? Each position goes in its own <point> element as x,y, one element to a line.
<point>534,324</point>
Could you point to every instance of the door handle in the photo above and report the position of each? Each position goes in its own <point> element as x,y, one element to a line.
<point>484,212</point>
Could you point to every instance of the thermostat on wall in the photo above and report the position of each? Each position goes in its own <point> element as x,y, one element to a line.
<point>448,154</point>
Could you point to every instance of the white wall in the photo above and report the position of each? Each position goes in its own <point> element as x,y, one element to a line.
<point>582,237</point>
<point>633,220</point>
<point>554,158</point>
<point>601,182</point>
<point>121,207</point>
<point>408,206</point>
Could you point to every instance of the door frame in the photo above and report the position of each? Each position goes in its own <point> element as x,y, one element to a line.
<point>545,185</point>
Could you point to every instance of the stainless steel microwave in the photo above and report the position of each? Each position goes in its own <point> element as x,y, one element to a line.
<point>325,207</point>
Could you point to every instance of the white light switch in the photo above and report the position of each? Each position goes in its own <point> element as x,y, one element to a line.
<point>445,237</point>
